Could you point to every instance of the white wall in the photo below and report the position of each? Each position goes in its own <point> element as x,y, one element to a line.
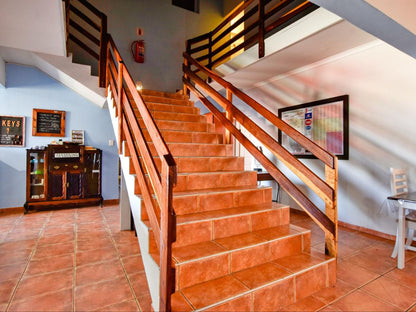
<point>28,88</point>
<point>381,83</point>
<point>166,28</point>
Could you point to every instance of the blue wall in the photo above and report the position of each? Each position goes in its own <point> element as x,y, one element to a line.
<point>28,88</point>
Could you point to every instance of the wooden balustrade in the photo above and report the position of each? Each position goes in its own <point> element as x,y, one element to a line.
<point>325,189</point>
<point>155,186</point>
<point>82,16</point>
<point>260,19</point>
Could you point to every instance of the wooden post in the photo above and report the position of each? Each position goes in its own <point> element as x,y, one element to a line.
<point>261,28</point>
<point>103,45</point>
<point>119,104</point>
<point>167,234</point>
<point>67,9</point>
<point>230,117</point>
<point>185,76</point>
<point>107,65</point>
<point>331,178</point>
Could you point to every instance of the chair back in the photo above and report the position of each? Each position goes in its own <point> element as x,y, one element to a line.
<point>399,181</point>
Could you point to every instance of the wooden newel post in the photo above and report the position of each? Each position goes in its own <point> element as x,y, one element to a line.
<point>261,28</point>
<point>185,77</point>
<point>331,178</point>
<point>103,45</point>
<point>107,65</point>
<point>167,234</point>
<point>119,104</point>
<point>230,117</point>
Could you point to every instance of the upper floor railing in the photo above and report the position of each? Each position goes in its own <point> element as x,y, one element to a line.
<point>248,24</point>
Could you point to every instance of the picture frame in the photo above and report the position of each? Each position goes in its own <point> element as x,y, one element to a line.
<point>12,131</point>
<point>325,122</point>
<point>77,136</point>
<point>46,122</point>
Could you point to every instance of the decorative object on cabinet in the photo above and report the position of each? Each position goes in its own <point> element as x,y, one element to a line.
<point>77,136</point>
<point>61,175</point>
<point>12,131</point>
<point>48,122</point>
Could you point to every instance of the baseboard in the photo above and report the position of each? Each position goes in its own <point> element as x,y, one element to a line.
<point>355,227</point>
<point>111,202</point>
<point>14,210</point>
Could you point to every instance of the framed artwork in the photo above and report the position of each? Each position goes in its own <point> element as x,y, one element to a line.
<point>77,136</point>
<point>48,123</point>
<point>12,131</point>
<point>325,122</point>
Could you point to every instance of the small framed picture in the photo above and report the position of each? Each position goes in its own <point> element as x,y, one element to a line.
<point>77,136</point>
<point>12,131</point>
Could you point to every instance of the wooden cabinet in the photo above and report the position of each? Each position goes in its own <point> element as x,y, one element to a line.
<point>67,174</point>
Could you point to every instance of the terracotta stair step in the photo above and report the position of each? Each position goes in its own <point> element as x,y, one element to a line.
<point>165,100</point>
<point>181,125</point>
<point>174,136</point>
<point>196,149</point>
<point>267,287</point>
<point>208,180</point>
<point>202,164</point>
<point>160,107</point>
<point>173,116</point>
<point>208,260</point>
<point>177,95</point>
<point>220,198</point>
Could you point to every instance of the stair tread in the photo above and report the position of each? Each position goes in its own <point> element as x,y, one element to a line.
<point>219,246</point>
<point>221,290</point>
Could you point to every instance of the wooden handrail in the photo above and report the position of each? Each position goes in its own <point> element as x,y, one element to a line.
<point>325,189</point>
<point>156,185</point>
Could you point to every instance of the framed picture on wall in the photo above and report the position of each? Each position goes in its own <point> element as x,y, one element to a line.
<point>325,122</point>
<point>48,122</point>
<point>77,136</point>
<point>12,131</point>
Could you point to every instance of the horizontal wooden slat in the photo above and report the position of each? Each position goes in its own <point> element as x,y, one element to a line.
<point>84,46</point>
<point>85,18</point>
<point>84,32</point>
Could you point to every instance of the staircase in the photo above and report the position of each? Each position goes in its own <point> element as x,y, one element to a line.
<point>235,249</point>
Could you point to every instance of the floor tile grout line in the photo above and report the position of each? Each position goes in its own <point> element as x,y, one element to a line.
<point>75,258</point>
<point>120,260</point>
<point>28,261</point>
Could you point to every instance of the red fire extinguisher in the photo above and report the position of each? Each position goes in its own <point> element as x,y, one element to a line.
<point>137,50</point>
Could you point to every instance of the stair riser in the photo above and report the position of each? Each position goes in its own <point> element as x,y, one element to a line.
<point>181,126</point>
<point>172,108</point>
<point>172,136</point>
<point>157,99</point>
<point>202,181</point>
<point>215,180</point>
<point>227,226</point>
<point>185,204</point>
<point>202,270</point>
<point>178,117</point>
<point>202,164</point>
<point>177,95</point>
<point>196,150</point>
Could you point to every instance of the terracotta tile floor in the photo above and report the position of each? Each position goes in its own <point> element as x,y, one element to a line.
<point>79,260</point>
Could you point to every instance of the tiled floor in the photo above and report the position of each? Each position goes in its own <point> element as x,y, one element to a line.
<point>78,260</point>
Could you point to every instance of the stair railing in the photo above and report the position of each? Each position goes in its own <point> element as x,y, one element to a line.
<point>86,26</point>
<point>248,24</point>
<point>325,189</point>
<point>156,185</point>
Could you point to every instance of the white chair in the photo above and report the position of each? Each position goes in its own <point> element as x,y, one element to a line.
<point>399,186</point>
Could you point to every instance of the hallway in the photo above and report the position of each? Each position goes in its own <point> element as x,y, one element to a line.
<point>79,260</point>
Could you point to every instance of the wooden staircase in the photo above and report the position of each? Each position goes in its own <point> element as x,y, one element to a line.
<point>235,249</point>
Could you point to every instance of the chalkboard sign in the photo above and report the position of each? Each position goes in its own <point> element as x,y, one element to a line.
<point>12,131</point>
<point>48,123</point>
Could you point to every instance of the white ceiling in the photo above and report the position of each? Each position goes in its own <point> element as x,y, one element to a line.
<point>36,26</point>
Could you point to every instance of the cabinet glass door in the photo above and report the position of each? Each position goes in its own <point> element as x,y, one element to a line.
<point>37,178</point>
<point>92,173</point>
